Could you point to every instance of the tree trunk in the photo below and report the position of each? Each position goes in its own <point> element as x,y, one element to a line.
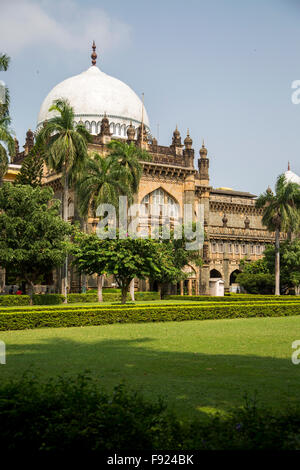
<point>65,218</point>
<point>277,262</point>
<point>297,290</point>
<point>159,289</point>
<point>100,280</point>
<point>124,291</point>
<point>131,289</point>
<point>83,279</point>
<point>30,291</point>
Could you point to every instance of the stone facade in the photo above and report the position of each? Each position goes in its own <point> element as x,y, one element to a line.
<point>233,224</point>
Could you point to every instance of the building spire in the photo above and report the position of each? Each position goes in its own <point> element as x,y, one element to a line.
<point>289,166</point>
<point>94,55</point>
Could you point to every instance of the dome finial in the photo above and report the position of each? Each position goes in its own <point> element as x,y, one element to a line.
<point>94,55</point>
<point>289,166</point>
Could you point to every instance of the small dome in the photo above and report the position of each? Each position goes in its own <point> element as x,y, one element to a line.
<point>188,141</point>
<point>92,94</point>
<point>203,151</point>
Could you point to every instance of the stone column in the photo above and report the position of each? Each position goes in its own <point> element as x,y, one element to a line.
<point>190,287</point>
<point>181,288</point>
<point>226,274</point>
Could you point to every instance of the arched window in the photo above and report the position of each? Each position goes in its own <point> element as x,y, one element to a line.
<point>93,127</point>
<point>162,204</point>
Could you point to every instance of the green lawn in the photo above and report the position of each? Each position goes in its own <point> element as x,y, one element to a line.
<point>198,366</point>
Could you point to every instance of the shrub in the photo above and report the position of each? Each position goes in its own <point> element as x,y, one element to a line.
<point>111,296</point>
<point>75,415</point>
<point>235,298</point>
<point>101,315</point>
<point>258,283</point>
<point>48,299</point>
<point>7,300</point>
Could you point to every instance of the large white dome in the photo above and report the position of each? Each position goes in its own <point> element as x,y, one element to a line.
<point>290,176</point>
<point>92,94</point>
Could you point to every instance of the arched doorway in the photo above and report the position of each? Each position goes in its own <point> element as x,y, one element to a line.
<point>233,285</point>
<point>190,285</point>
<point>233,276</point>
<point>214,273</point>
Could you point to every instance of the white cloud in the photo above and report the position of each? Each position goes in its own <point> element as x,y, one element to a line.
<point>65,24</point>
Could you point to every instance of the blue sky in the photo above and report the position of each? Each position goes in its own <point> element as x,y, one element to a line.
<point>222,68</point>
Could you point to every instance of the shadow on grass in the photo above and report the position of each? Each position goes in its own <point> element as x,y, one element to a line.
<point>192,383</point>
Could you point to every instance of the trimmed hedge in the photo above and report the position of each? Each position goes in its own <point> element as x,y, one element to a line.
<point>56,299</point>
<point>56,318</point>
<point>48,299</point>
<point>7,300</point>
<point>235,298</point>
<point>111,297</point>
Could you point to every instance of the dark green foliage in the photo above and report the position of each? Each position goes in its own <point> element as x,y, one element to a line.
<point>94,315</point>
<point>234,298</point>
<point>75,415</point>
<point>111,297</point>
<point>54,299</point>
<point>259,283</point>
<point>32,169</point>
<point>72,415</point>
<point>32,234</point>
<point>47,299</point>
<point>10,300</point>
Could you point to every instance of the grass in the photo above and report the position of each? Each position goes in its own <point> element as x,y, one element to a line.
<point>198,366</point>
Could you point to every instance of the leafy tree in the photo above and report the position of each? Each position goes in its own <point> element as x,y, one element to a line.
<point>32,234</point>
<point>255,267</point>
<point>129,258</point>
<point>90,256</point>
<point>289,264</point>
<point>173,258</point>
<point>281,213</point>
<point>256,283</point>
<point>64,148</point>
<point>32,169</point>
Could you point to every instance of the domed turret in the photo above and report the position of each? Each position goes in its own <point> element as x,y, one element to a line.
<point>130,133</point>
<point>203,151</point>
<point>188,141</point>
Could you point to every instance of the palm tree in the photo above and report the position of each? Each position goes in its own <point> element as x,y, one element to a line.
<point>99,184</point>
<point>7,143</point>
<point>64,144</point>
<point>4,64</point>
<point>4,61</point>
<point>127,158</point>
<point>281,213</point>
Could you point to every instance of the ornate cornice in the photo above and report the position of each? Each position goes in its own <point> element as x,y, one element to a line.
<point>234,208</point>
<point>164,170</point>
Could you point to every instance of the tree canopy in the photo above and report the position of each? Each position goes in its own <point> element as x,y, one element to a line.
<point>32,234</point>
